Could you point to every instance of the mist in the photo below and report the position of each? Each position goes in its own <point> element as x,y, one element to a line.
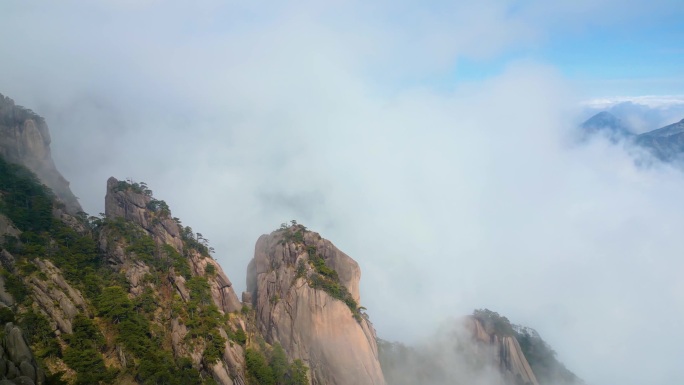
<point>451,193</point>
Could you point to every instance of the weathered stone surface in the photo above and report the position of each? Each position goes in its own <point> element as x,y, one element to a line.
<point>12,370</point>
<point>5,297</point>
<point>16,359</point>
<point>135,273</point>
<point>220,374</point>
<point>27,370</point>
<point>247,298</point>
<point>25,140</point>
<point>133,207</point>
<point>309,323</point>
<point>178,333</point>
<point>179,284</point>
<point>23,380</point>
<point>507,355</point>
<point>234,358</point>
<point>56,297</point>
<point>7,228</point>
<point>7,260</point>
<point>222,291</point>
<point>15,344</point>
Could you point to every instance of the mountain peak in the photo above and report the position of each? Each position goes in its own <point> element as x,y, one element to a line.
<point>25,140</point>
<point>604,121</point>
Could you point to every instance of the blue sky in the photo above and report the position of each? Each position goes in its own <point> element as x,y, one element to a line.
<point>633,59</point>
<point>610,56</point>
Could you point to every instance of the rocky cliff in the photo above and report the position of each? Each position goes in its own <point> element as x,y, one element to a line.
<point>504,351</point>
<point>17,364</point>
<point>134,297</point>
<point>305,293</point>
<point>484,348</point>
<point>25,139</point>
<point>190,265</point>
<point>136,206</point>
<point>129,298</point>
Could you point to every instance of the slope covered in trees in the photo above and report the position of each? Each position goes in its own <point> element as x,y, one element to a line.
<point>91,320</point>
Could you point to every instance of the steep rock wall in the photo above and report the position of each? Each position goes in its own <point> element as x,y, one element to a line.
<point>337,343</point>
<point>25,139</point>
<point>507,355</point>
<point>135,207</point>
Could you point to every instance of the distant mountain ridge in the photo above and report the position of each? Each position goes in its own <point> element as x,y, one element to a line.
<point>605,122</point>
<point>665,143</point>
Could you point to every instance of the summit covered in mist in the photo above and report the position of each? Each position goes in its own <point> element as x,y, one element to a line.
<point>664,143</point>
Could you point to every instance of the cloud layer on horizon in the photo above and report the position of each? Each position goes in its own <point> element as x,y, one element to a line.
<point>245,116</point>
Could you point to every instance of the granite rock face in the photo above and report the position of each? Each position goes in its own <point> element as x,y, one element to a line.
<point>25,139</point>
<point>17,364</point>
<point>136,207</point>
<point>505,353</point>
<point>55,297</point>
<point>338,344</point>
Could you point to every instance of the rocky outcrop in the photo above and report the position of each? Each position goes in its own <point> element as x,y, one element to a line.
<point>121,201</point>
<point>25,140</point>
<point>59,300</point>
<point>312,324</point>
<point>17,364</point>
<point>137,206</point>
<point>7,228</point>
<point>506,353</point>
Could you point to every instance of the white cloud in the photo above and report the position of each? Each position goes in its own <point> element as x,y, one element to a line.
<point>651,101</point>
<point>243,117</point>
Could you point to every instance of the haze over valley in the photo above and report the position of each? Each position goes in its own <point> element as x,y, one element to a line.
<point>451,151</point>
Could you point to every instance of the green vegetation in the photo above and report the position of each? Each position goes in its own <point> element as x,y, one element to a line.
<point>6,315</point>
<point>538,353</point>
<point>327,280</point>
<point>542,359</point>
<point>258,371</point>
<point>180,264</point>
<point>156,366</point>
<point>130,185</point>
<point>203,319</point>
<point>196,241</point>
<point>289,236</point>
<point>38,331</point>
<point>238,336</point>
<point>324,278</point>
<point>210,270</point>
<point>145,248</point>
<point>297,374</point>
<point>15,286</point>
<point>29,206</point>
<point>273,369</point>
<point>494,323</point>
<point>25,201</point>
<point>83,354</point>
<point>132,324</point>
